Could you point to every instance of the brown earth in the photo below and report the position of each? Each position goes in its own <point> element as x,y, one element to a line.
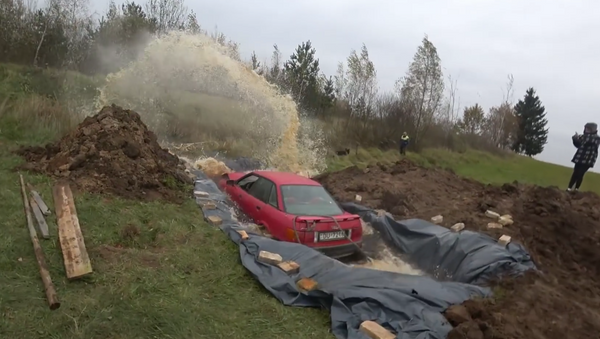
<point>112,152</point>
<point>561,231</point>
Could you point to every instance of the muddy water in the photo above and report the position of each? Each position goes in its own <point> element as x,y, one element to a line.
<point>180,69</point>
<point>382,257</point>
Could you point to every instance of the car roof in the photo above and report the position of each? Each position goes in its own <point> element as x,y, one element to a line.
<point>286,178</point>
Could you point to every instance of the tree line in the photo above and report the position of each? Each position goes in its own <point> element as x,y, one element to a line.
<point>424,102</point>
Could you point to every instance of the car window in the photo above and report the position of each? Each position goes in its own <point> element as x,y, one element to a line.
<point>308,201</point>
<point>273,197</point>
<point>261,189</point>
<point>247,182</point>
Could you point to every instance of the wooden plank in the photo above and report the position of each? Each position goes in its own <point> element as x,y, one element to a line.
<point>75,256</point>
<point>38,199</point>
<point>51,295</point>
<point>39,217</point>
<point>375,331</point>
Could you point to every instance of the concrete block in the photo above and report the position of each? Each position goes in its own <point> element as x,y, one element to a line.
<point>494,225</point>
<point>457,227</point>
<point>215,220</point>
<point>269,258</point>
<point>492,214</point>
<point>504,240</point>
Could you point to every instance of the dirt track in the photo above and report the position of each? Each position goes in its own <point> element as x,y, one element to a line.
<point>561,231</point>
<point>113,152</point>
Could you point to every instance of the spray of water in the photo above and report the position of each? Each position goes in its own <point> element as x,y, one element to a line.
<point>187,84</point>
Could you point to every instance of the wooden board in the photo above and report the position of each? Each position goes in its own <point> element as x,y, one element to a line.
<point>39,217</point>
<point>76,258</point>
<point>38,199</point>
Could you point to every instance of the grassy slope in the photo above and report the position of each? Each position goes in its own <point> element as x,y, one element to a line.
<point>480,166</point>
<point>179,278</point>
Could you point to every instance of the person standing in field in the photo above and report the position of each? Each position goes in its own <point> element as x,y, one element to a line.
<point>586,155</point>
<point>403,143</point>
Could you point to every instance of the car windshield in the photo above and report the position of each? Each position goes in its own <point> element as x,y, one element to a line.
<point>308,201</point>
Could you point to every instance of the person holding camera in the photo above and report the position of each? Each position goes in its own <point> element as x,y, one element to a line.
<point>586,155</point>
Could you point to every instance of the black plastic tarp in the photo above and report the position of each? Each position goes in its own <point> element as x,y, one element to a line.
<point>408,305</point>
<point>464,256</point>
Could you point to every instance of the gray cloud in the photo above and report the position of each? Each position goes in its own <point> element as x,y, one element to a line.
<point>544,44</point>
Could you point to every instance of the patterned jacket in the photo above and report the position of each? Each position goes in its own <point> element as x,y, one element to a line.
<point>587,149</point>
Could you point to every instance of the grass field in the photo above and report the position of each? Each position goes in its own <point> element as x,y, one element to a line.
<point>160,271</point>
<point>477,165</point>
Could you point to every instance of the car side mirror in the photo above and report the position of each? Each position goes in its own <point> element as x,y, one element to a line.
<point>229,182</point>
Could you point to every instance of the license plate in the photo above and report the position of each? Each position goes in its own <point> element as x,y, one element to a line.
<point>329,236</point>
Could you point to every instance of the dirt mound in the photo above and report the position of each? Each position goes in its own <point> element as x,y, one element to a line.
<point>561,231</point>
<point>112,152</point>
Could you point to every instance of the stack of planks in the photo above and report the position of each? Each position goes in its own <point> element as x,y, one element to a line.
<point>75,256</point>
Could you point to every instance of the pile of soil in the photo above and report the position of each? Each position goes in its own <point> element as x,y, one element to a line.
<point>560,230</point>
<point>113,152</point>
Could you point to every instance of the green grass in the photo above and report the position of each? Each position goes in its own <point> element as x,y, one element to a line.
<point>481,166</point>
<point>159,270</point>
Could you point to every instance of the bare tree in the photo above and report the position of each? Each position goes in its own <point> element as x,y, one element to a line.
<point>361,81</point>
<point>423,87</point>
<point>501,120</point>
<point>451,110</point>
<point>340,80</point>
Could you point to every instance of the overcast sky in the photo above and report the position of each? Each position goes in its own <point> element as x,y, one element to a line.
<point>548,45</point>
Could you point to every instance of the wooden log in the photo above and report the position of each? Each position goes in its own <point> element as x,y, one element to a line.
<point>75,256</point>
<point>51,295</point>
<point>39,217</point>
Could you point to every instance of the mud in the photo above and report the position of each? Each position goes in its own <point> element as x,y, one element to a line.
<point>561,231</point>
<point>112,152</point>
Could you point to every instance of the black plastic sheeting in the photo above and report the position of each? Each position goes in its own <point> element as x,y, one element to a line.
<point>466,256</point>
<point>408,305</point>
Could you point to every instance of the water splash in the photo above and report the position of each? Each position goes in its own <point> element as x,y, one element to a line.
<point>386,260</point>
<point>185,84</point>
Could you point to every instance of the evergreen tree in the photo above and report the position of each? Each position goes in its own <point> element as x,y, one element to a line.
<point>302,76</point>
<point>532,133</point>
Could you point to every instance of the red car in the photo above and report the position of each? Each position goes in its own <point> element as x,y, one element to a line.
<point>295,209</point>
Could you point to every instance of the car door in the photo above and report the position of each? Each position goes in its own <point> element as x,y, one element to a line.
<point>273,218</point>
<point>239,193</point>
<point>258,194</point>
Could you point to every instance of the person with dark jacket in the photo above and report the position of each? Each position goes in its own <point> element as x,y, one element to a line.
<point>403,143</point>
<point>586,155</point>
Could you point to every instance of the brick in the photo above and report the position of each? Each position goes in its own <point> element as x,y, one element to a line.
<point>201,194</point>
<point>457,227</point>
<point>438,219</point>
<point>215,220</point>
<point>243,234</point>
<point>358,198</point>
<point>307,284</point>
<point>289,267</point>
<point>375,331</point>
<point>505,221</point>
<point>269,258</point>
<point>492,214</point>
<point>504,240</point>
<point>494,225</point>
